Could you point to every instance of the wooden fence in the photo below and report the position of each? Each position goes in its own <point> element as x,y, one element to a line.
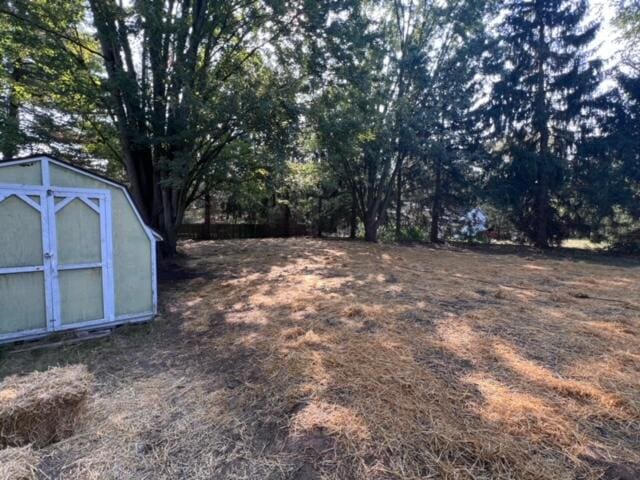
<point>220,231</point>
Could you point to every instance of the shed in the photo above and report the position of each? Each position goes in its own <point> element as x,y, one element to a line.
<point>74,251</point>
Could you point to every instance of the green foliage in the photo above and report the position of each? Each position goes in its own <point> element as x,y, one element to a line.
<point>44,78</point>
<point>628,21</point>
<point>606,180</point>
<point>409,234</point>
<point>628,16</point>
<point>399,95</point>
<point>333,113</point>
<point>188,83</point>
<point>540,110</point>
<point>413,234</point>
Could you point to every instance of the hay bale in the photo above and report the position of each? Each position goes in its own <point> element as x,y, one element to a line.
<point>42,407</point>
<point>19,463</point>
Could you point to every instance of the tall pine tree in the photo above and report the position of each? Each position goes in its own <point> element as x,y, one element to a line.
<point>606,179</point>
<point>545,85</point>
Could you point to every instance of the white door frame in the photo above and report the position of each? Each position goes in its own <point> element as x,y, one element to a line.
<point>49,266</point>
<point>106,251</point>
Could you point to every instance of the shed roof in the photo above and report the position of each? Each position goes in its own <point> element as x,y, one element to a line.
<point>152,233</point>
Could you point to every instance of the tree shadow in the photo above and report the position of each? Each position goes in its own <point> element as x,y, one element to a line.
<point>332,358</point>
<point>598,257</point>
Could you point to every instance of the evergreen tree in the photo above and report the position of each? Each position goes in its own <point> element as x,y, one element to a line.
<point>606,178</point>
<point>544,89</point>
<point>628,21</point>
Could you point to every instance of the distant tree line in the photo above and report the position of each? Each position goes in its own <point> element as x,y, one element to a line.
<point>376,117</point>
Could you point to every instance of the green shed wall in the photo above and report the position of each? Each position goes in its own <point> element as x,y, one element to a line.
<point>23,174</point>
<point>131,245</point>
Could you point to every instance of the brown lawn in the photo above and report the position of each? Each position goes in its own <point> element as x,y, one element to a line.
<point>307,359</point>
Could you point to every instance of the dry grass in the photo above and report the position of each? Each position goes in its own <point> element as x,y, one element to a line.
<point>42,407</point>
<point>306,359</point>
<point>18,463</point>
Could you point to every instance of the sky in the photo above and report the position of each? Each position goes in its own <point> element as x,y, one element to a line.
<point>608,37</point>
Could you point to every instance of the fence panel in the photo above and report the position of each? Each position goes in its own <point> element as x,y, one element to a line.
<point>222,231</point>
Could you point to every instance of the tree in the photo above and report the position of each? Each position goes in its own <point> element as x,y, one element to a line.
<point>186,93</point>
<point>628,20</point>
<point>351,114</point>
<point>180,82</point>
<point>445,123</point>
<point>605,184</point>
<point>545,84</point>
<point>44,95</point>
<point>365,114</point>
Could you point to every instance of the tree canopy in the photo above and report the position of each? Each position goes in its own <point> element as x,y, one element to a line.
<point>391,117</point>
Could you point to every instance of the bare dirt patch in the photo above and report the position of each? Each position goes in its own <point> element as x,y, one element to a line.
<point>303,359</point>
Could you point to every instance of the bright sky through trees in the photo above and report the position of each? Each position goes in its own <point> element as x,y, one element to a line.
<point>604,11</point>
<point>395,105</point>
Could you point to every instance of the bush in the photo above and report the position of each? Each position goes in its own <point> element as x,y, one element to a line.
<point>409,234</point>
<point>628,243</point>
<point>413,234</point>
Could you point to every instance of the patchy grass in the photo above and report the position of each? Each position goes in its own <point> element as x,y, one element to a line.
<point>305,359</point>
<point>584,244</point>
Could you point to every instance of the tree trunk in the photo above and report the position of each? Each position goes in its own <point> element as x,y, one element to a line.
<point>319,233</point>
<point>169,245</point>
<point>169,226</point>
<point>287,217</point>
<point>207,216</point>
<point>354,215</point>
<point>11,134</point>
<point>399,202</point>
<point>371,230</point>
<point>376,196</point>
<point>541,239</point>
<point>541,124</point>
<point>435,205</point>
<point>141,157</point>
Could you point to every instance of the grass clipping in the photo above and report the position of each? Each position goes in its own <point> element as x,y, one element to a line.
<point>19,463</point>
<point>42,408</point>
<point>304,359</point>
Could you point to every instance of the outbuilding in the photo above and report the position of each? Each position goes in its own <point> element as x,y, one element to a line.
<point>75,252</point>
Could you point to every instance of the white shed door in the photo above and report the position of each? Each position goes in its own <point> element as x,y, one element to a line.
<point>55,259</point>
<point>81,257</point>
<point>24,304</point>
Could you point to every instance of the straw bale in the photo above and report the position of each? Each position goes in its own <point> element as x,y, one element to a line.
<point>42,407</point>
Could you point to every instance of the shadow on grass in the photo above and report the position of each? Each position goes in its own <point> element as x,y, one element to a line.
<point>326,358</point>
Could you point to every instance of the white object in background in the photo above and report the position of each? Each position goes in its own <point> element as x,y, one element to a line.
<point>474,222</point>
